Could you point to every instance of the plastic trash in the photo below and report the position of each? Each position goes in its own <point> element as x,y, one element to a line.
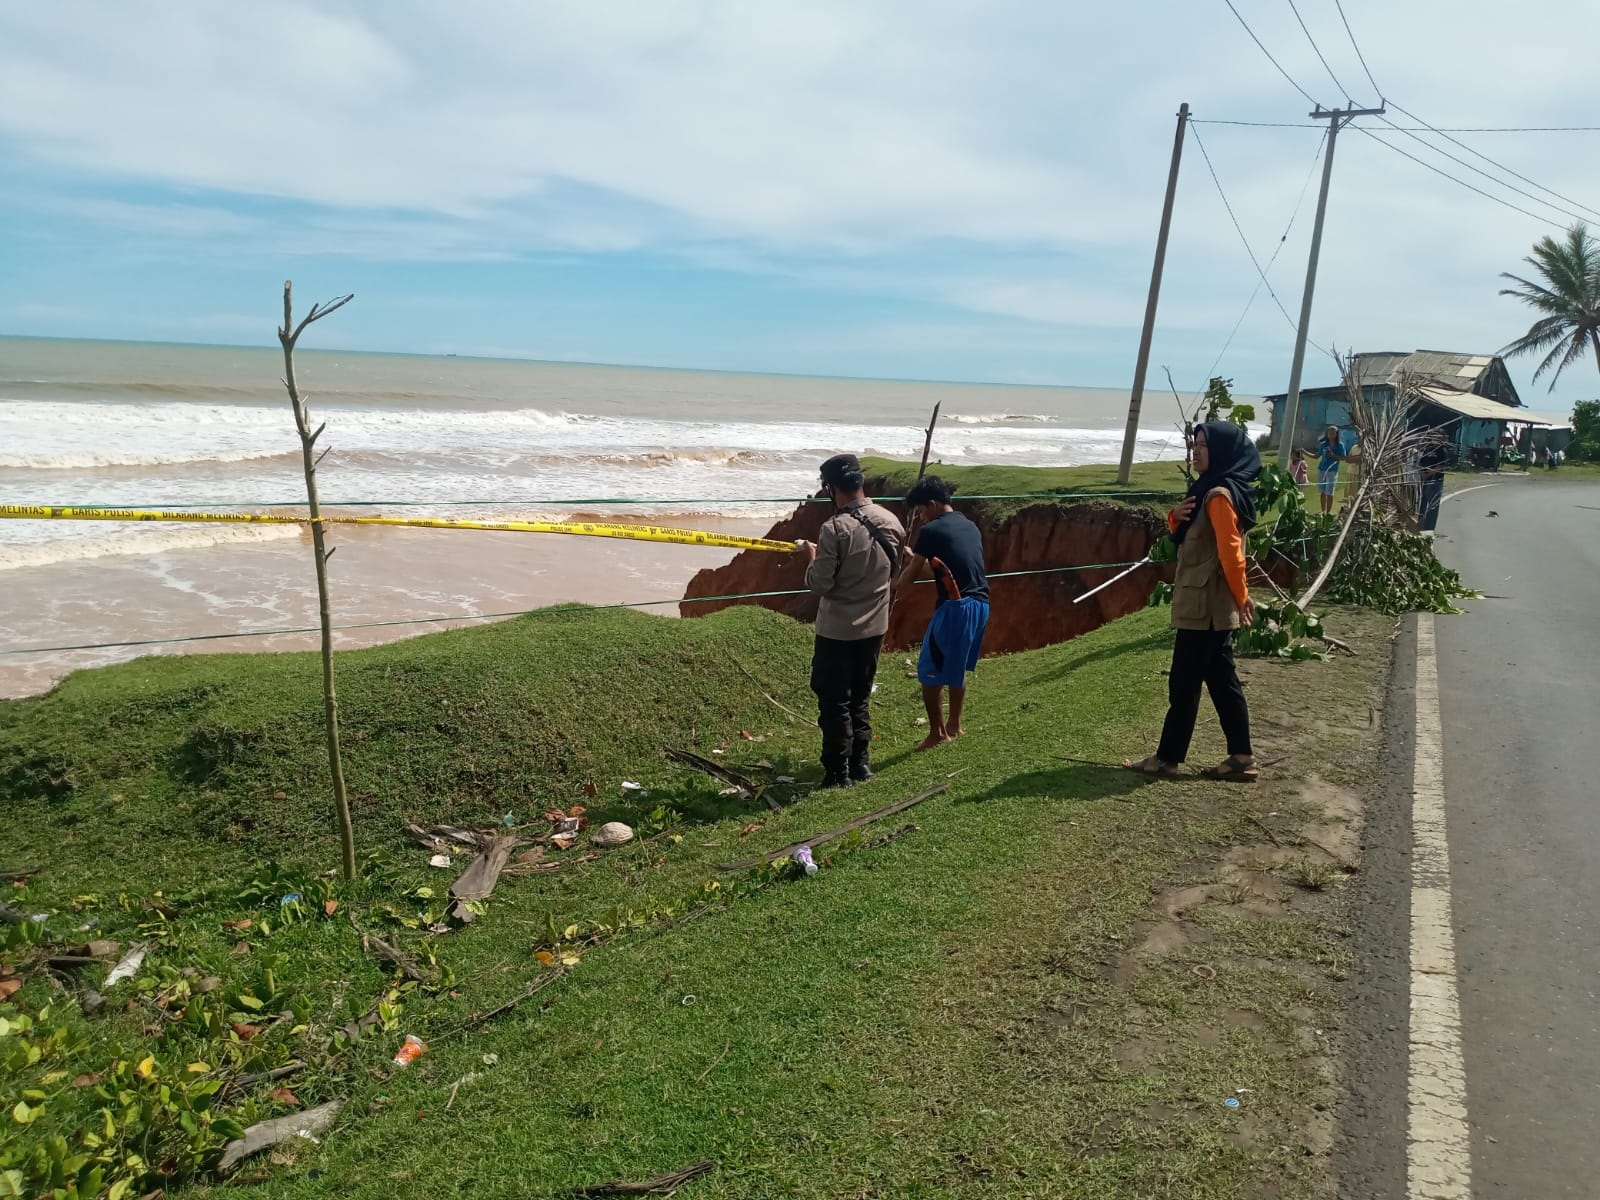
<point>508,819</point>
<point>290,898</point>
<point>411,1050</point>
<point>439,860</point>
<point>803,857</point>
<point>127,966</point>
<point>1232,1102</point>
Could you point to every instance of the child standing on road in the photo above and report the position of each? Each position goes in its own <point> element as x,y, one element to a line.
<point>953,547</point>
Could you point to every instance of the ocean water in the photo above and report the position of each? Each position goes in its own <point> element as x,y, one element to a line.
<point>134,424</point>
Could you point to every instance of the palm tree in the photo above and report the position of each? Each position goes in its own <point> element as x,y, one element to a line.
<point>1569,298</point>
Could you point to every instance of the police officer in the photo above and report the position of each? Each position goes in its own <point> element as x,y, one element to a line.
<point>852,568</point>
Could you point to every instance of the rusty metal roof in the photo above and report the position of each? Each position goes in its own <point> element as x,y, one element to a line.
<point>1468,404</point>
<point>1460,371</point>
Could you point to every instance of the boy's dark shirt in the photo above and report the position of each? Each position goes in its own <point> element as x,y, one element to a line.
<point>955,541</point>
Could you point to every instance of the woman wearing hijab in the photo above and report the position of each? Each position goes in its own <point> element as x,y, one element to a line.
<point>1209,602</point>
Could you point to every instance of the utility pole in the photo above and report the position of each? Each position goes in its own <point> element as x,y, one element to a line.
<point>1142,365</point>
<point>1337,118</point>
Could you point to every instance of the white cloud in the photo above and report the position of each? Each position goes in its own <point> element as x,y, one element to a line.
<point>832,139</point>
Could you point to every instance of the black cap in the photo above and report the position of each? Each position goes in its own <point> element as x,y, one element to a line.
<point>843,471</point>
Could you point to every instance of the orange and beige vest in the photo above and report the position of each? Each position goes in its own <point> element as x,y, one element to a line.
<point>1201,598</point>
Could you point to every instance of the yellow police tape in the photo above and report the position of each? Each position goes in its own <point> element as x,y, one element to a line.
<point>638,533</point>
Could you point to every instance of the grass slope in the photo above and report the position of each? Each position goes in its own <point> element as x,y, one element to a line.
<point>1154,484</point>
<point>965,1010</point>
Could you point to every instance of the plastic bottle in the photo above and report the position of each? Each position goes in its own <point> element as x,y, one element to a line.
<point>410,1051</point>
<point>807,863</point>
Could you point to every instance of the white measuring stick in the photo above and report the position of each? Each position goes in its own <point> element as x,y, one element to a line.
<point>1113,579</point>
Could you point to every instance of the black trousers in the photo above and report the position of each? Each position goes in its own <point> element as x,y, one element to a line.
<point>841,676</point>
<point>1428,510</point>
<point>1203,657</point>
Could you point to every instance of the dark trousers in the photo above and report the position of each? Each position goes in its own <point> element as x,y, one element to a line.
<point>1203,657</point>
<point>841,676</point>
<point>1428,511</point>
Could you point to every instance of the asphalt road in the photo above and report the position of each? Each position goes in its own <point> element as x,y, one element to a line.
<point>1519,690</point>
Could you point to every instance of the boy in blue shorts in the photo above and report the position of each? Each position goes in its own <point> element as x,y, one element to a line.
<point>952,546</point>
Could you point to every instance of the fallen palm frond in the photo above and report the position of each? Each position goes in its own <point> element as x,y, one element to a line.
<point>1378,559</point>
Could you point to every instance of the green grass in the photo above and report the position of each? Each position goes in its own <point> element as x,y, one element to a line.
<point>1155,484</point>
<point>935,1017</point>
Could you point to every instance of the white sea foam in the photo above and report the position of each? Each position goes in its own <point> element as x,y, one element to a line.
<point>111,540</point>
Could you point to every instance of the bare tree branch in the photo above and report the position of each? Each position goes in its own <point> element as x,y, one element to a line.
<point>320,553</point>
<point>318,311</point>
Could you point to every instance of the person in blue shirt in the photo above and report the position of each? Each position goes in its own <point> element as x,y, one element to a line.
<point>952,546</point>
<point>1330,453</point>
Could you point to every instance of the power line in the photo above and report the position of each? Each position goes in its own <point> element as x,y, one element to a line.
<point>1239,229</point>
<point>1357,49</point>
<point>1318,51</point>
<point>1480,171</point>
<point>1278,249</point>
<point>1501,166</point>
<point>1497,165</point>
<point>1453,179</point>
<point>1268,53</point>
<point>1412,128</point>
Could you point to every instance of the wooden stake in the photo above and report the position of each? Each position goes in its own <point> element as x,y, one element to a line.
<point>927,441</point>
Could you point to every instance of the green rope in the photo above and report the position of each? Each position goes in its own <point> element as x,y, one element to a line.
<point>558,502</point>
<point>537,612</point>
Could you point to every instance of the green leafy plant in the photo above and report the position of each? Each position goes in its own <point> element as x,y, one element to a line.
<point>1585,443</point>
<point>1395,571</point>
<point>1279,631</point>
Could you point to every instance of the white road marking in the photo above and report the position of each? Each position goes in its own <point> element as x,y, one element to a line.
<point>1439,1147</point>
<point>1464,491</point>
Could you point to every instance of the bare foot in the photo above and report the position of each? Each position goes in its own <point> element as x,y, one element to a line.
<point>934,739</point>
<point>953,731</point>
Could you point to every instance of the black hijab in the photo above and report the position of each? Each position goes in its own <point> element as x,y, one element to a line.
<point>1234,464</point>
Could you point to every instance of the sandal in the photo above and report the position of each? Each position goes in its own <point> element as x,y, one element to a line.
<point>1231,770</point>
<point>1152,766</point>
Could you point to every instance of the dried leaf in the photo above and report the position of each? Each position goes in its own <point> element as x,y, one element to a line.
<point>751,828</point>
<point>284,1096</point>
<point>329,907</point>
<point>545,958</point>
<point>86,1080</point>
<point>241,948</point>
<point>242,924</point>
<point>577,810</point>
<point>246,1032</point>
<point>531,856</point>
<point>9,988</point>
<point>564,841</point>
<point>591,790</point>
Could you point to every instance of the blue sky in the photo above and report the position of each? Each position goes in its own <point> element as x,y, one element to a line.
<point>942,190</point>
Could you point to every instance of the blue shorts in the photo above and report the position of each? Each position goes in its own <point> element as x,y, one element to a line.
<point>953,642</point>
<point>1327,479</point>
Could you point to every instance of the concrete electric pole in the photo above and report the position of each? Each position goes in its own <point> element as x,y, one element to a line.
<point>1136,399</point>
<point>1337,118</point>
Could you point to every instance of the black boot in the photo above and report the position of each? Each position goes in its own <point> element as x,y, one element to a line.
<point>860,767</point>
<point>835,779</point>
